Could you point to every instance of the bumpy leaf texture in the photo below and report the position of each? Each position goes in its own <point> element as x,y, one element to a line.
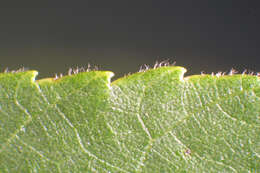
<point>153,121</point>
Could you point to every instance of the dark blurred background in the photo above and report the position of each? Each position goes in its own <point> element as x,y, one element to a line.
<point>120,36</point>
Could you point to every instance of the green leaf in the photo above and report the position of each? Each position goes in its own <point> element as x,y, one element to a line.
<point>153,121</point>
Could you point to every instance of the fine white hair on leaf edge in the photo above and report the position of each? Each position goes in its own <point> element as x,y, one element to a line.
<point>164,63</point>
<point>76,70</point>
<point>22,69</point>
<point>233,72</point>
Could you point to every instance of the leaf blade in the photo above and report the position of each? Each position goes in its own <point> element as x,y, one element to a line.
<point>153,121</point>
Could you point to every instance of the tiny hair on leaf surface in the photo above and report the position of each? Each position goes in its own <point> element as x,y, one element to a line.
<point>155,120</point>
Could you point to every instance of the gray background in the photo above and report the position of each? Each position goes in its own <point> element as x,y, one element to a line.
<point>120,36</point>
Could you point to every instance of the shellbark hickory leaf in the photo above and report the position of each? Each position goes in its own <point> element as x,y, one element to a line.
<point>153,121</point>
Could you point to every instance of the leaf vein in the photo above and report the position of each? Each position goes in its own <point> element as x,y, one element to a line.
<point>199,109</point>
<point>26,122</point>
<point>78,136</point>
